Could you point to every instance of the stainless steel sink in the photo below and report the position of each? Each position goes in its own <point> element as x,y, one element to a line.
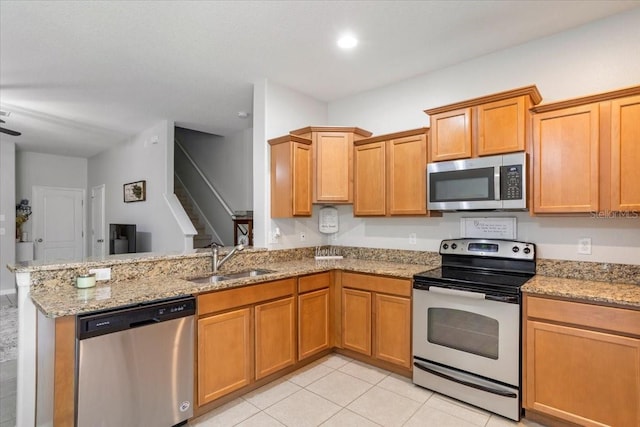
<point>230,276</point>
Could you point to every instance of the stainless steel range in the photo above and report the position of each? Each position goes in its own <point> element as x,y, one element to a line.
<point>466,322</point>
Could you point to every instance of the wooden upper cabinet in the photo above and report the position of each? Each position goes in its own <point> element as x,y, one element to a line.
<point>332,161</point>
<point>625,154</point>
<point>565,160</point>
<point>390,174</point>
<point>451,135</point>
<point>407,175</point>
<point>501,126</point>
<point>489,125</point>
<point>586,154</point>
<point>370,180</point>
<point>291,168</point>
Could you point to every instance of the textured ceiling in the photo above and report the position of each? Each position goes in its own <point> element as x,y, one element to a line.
<point>80,77</point>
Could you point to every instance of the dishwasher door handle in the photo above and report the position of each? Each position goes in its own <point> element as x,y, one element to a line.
<point>144,322</point>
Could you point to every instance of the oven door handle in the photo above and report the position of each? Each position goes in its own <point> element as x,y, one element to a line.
<point>504,393</point>
<point>456,292</point>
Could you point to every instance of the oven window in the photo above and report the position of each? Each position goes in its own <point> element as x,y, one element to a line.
<point>464,331</point>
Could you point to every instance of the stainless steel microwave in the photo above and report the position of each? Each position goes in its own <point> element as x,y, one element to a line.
<point>491,183</point>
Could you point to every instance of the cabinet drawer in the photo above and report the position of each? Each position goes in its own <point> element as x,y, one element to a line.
<point>314,282</point>
<point>589,315</point>
<point>386,285</point>
<point>223,300</point>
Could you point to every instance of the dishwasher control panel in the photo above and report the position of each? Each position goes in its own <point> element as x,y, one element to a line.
<point>106,322</point>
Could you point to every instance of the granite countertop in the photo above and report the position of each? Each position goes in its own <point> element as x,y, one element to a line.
<point>57,298</point>
<point>625,295</point>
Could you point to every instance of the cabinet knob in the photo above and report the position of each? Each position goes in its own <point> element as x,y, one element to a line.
<point>39,240</point>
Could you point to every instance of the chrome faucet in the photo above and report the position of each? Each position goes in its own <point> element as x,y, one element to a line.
<point>215,264</point>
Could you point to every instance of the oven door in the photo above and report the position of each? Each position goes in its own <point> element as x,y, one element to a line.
<point>463,330</point>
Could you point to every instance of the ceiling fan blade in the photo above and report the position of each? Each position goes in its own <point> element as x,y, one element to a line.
<point>10,132</point>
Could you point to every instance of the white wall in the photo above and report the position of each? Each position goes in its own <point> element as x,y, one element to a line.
<point>48,170</point>
<point>278,110</point>
<point>594,58</point>
<point>7,216</point>
<point>135,160</point>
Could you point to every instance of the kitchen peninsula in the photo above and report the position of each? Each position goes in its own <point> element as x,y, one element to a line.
<point>47,293</point>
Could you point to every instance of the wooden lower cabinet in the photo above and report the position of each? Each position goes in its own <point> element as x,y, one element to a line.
<point>356,321</point>
<point>225,348</point>
<point>314,323</point>
<point>585,373</point>
<point>376,317</point>
<point>275,336</point>
<point>393,329</point>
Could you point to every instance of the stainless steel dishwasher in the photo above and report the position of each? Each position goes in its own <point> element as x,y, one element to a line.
<point>135,365</point>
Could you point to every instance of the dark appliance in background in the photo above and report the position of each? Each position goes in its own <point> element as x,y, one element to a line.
<point>122,238</point>
<point>466,322</point>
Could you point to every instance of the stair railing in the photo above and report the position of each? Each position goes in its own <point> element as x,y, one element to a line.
<point>201,214</point>
<point>205,179</point>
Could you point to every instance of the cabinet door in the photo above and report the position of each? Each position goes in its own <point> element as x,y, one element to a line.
<point>225,347</point>
<point>313,323</point>
<point>356,320</point>
<point>370,182</point>
<point>586,377</point>
<point>290,180</point>
<point>393,329</point>
<point>565,160</point>
<point>407,175</point>
<point>334,167</point>
<point>625,154</point>
<point>501,126</point>
<point>275,336</point>
<point>451,135</point>
<point>301,180</point>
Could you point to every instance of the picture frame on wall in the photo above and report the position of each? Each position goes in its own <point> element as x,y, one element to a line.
<point>135,191</point>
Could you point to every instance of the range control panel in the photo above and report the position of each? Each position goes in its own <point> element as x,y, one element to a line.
<point>489,248</point>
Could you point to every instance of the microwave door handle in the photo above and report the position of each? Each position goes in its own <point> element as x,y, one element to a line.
<point>456,292</point>
<point>496,182</point>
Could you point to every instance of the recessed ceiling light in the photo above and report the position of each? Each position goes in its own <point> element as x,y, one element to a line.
<point>347,41</point>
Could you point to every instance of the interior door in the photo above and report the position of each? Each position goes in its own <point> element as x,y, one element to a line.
<point>97,222</point>
<point>58,223</point>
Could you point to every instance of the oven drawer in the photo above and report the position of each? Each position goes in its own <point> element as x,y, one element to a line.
<point>498,398</point>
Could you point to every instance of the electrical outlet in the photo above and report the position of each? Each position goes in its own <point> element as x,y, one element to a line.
<point>101,273</point>
<point>584,246</point>
<point>412,238</point>
<point>303,237</point>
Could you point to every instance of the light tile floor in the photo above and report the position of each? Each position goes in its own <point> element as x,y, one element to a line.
<point>339,391</point>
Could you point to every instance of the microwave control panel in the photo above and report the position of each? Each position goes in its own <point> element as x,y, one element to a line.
<point>511,182</point>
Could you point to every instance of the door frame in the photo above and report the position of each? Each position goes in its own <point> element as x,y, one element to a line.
<point>102,188</point>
